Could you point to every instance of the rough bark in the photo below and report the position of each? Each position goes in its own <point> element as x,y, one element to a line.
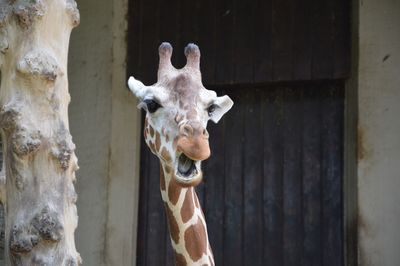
<point>40,163</point>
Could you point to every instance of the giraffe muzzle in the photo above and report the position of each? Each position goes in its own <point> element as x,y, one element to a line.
<point>193,147</point>
<point>193,141</point>
<point>188,168</point>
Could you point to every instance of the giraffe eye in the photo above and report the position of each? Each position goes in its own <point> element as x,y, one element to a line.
<point>211,109</point>
<point>152,105</point>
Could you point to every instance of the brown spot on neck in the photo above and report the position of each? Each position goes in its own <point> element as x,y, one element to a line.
<point>187,210</point>
<point>196,240</point>
<point>162,180</point>
<point>168,169</point>
<point>165,155</point>
<point>158,141</point>
<point>151,131</point>
<point>174,190</point>
<point>172,224</point>
<point>152,147</point>
<point>180,260</point>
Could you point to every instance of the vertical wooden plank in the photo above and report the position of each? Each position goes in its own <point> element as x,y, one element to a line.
<point>207,39</point>
<point>188,25</point>
<point>179,58</point>
<point>171,28</point>
<point>201,192</point>
<point>233,227</point>
<point>243,40</point>
<point>214,193</point>
<point>302,37</point>
<point>169,22</point>
<point>189,21</point>
<point>292,178</point>
<point>282,36</point>
<point>341,38</point>
<point>322,45</point>
<point>224,71</point>
<point>273,176</point>
<point>148,53</point>
<point>252,179</point>
<point>155,216</point>
<point>143,195</point>
<point>169,252</point>
<point>262,49</point>
<point>134,38</point>
<point>312,177</point>
<point>332,172</point>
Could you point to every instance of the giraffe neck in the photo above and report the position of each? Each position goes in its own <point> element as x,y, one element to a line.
<point>187,226</point>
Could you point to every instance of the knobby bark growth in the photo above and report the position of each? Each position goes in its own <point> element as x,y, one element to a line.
<point>38,192</point>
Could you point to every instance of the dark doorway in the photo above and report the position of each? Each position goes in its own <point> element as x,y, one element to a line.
<point>272,189</point>
<point>272,193</point>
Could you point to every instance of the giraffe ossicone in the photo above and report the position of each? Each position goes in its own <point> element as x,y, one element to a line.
<point>178,108</point>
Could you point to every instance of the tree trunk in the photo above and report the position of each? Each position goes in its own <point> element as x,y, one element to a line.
<point>40,163</point>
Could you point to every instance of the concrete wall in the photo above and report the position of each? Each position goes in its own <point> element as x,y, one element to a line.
<point>379,132</point>
<point>90,59</point>
<point>104,124</point>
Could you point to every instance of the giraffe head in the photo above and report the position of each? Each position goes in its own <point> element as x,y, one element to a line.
<point>178,108</point>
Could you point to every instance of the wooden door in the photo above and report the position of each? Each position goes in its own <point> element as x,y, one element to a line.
<point>272,193</point>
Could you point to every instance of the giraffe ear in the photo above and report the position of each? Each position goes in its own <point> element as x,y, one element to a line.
<point>222,105</point>
<point>137,88</point>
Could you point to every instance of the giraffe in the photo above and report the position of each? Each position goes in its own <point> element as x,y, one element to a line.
<point>178,108</point>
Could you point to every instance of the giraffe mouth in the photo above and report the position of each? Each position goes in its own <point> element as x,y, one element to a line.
<point>187,170</point>
<point>186,166</point>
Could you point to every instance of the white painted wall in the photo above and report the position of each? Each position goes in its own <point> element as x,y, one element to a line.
<point>379,133</point>
<point>105,124</point>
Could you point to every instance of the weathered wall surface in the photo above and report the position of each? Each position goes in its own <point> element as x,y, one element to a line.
<point>104,122</point>
<point>379,133</point>
<point>90,113</point>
